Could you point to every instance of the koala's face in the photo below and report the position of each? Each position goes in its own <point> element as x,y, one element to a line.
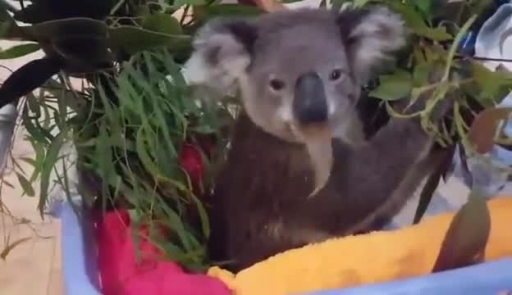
<point>299,79</point>
<point>299,71</point>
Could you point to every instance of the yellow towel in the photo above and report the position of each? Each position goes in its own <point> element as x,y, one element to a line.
<point>363,259</point>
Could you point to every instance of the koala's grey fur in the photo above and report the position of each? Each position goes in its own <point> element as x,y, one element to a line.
<point>261,206</point>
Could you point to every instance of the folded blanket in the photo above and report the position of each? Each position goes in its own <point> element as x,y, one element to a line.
<point>124,273</point>
<point>363,259</point>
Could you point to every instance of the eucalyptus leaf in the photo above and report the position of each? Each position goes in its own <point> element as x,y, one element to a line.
<point>484,128</point>
<point>416,22</point>
<point>68,27</point>
<point>466,238</point>
<point>393,87</point>
<point>7,184</point>
<point>29,161</point>
<point>143,154</point>
<point>360,3</point>
<point>33,105</point>
<point>437,34</point>
<point>39,148</point>
<point>162,23</point>
<point>19,50</point>
<point>432,184</point>
<point>133,40</point>
<point>25,185</point>
<point>413,19</point>
<point>71,98</point>
<point>180,3</point>
<point>425,6</point>
<point>491,83</point>
<point>50,160</point>
<point>4,28</point>
<point>10,246</point>
<point>421,74</point>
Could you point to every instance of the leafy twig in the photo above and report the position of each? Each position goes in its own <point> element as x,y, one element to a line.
<point>468,57</point>
<point>455,45</point>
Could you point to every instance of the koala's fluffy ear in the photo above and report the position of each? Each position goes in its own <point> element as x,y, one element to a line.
<point>222,52</point>
<point>371,35</point>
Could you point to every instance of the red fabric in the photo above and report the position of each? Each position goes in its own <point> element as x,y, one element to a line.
<point>190,160</point>
<point>123,273</point>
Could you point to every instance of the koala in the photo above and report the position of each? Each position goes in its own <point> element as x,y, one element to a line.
<point>299,73</point>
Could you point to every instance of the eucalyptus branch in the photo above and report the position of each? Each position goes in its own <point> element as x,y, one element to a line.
<point>184,14</point>
<point>503,141</point>
<point>461,56</point>
<point>455,45</point>
<point>64,79</point>
<point>459,125</point>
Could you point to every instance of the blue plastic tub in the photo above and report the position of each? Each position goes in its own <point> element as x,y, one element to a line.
<point>78,256</point>
<point>80,272</point>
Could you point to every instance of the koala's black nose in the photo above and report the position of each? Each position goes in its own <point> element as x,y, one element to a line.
<point>310,102</point>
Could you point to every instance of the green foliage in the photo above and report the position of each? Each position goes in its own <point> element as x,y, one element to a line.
<point>19,50</point>
<point>134,112</point>
<point>436,42</point>
<point>433,67</point>
<point>79,38</point>
<point>485,129</point>
<point>136,151</point>
<point>467,237</point>
<point>394,86</point>
<point>130,118</point>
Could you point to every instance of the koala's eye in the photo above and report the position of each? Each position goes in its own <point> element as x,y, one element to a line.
<point>335,75</point>
<point>276,84</point>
